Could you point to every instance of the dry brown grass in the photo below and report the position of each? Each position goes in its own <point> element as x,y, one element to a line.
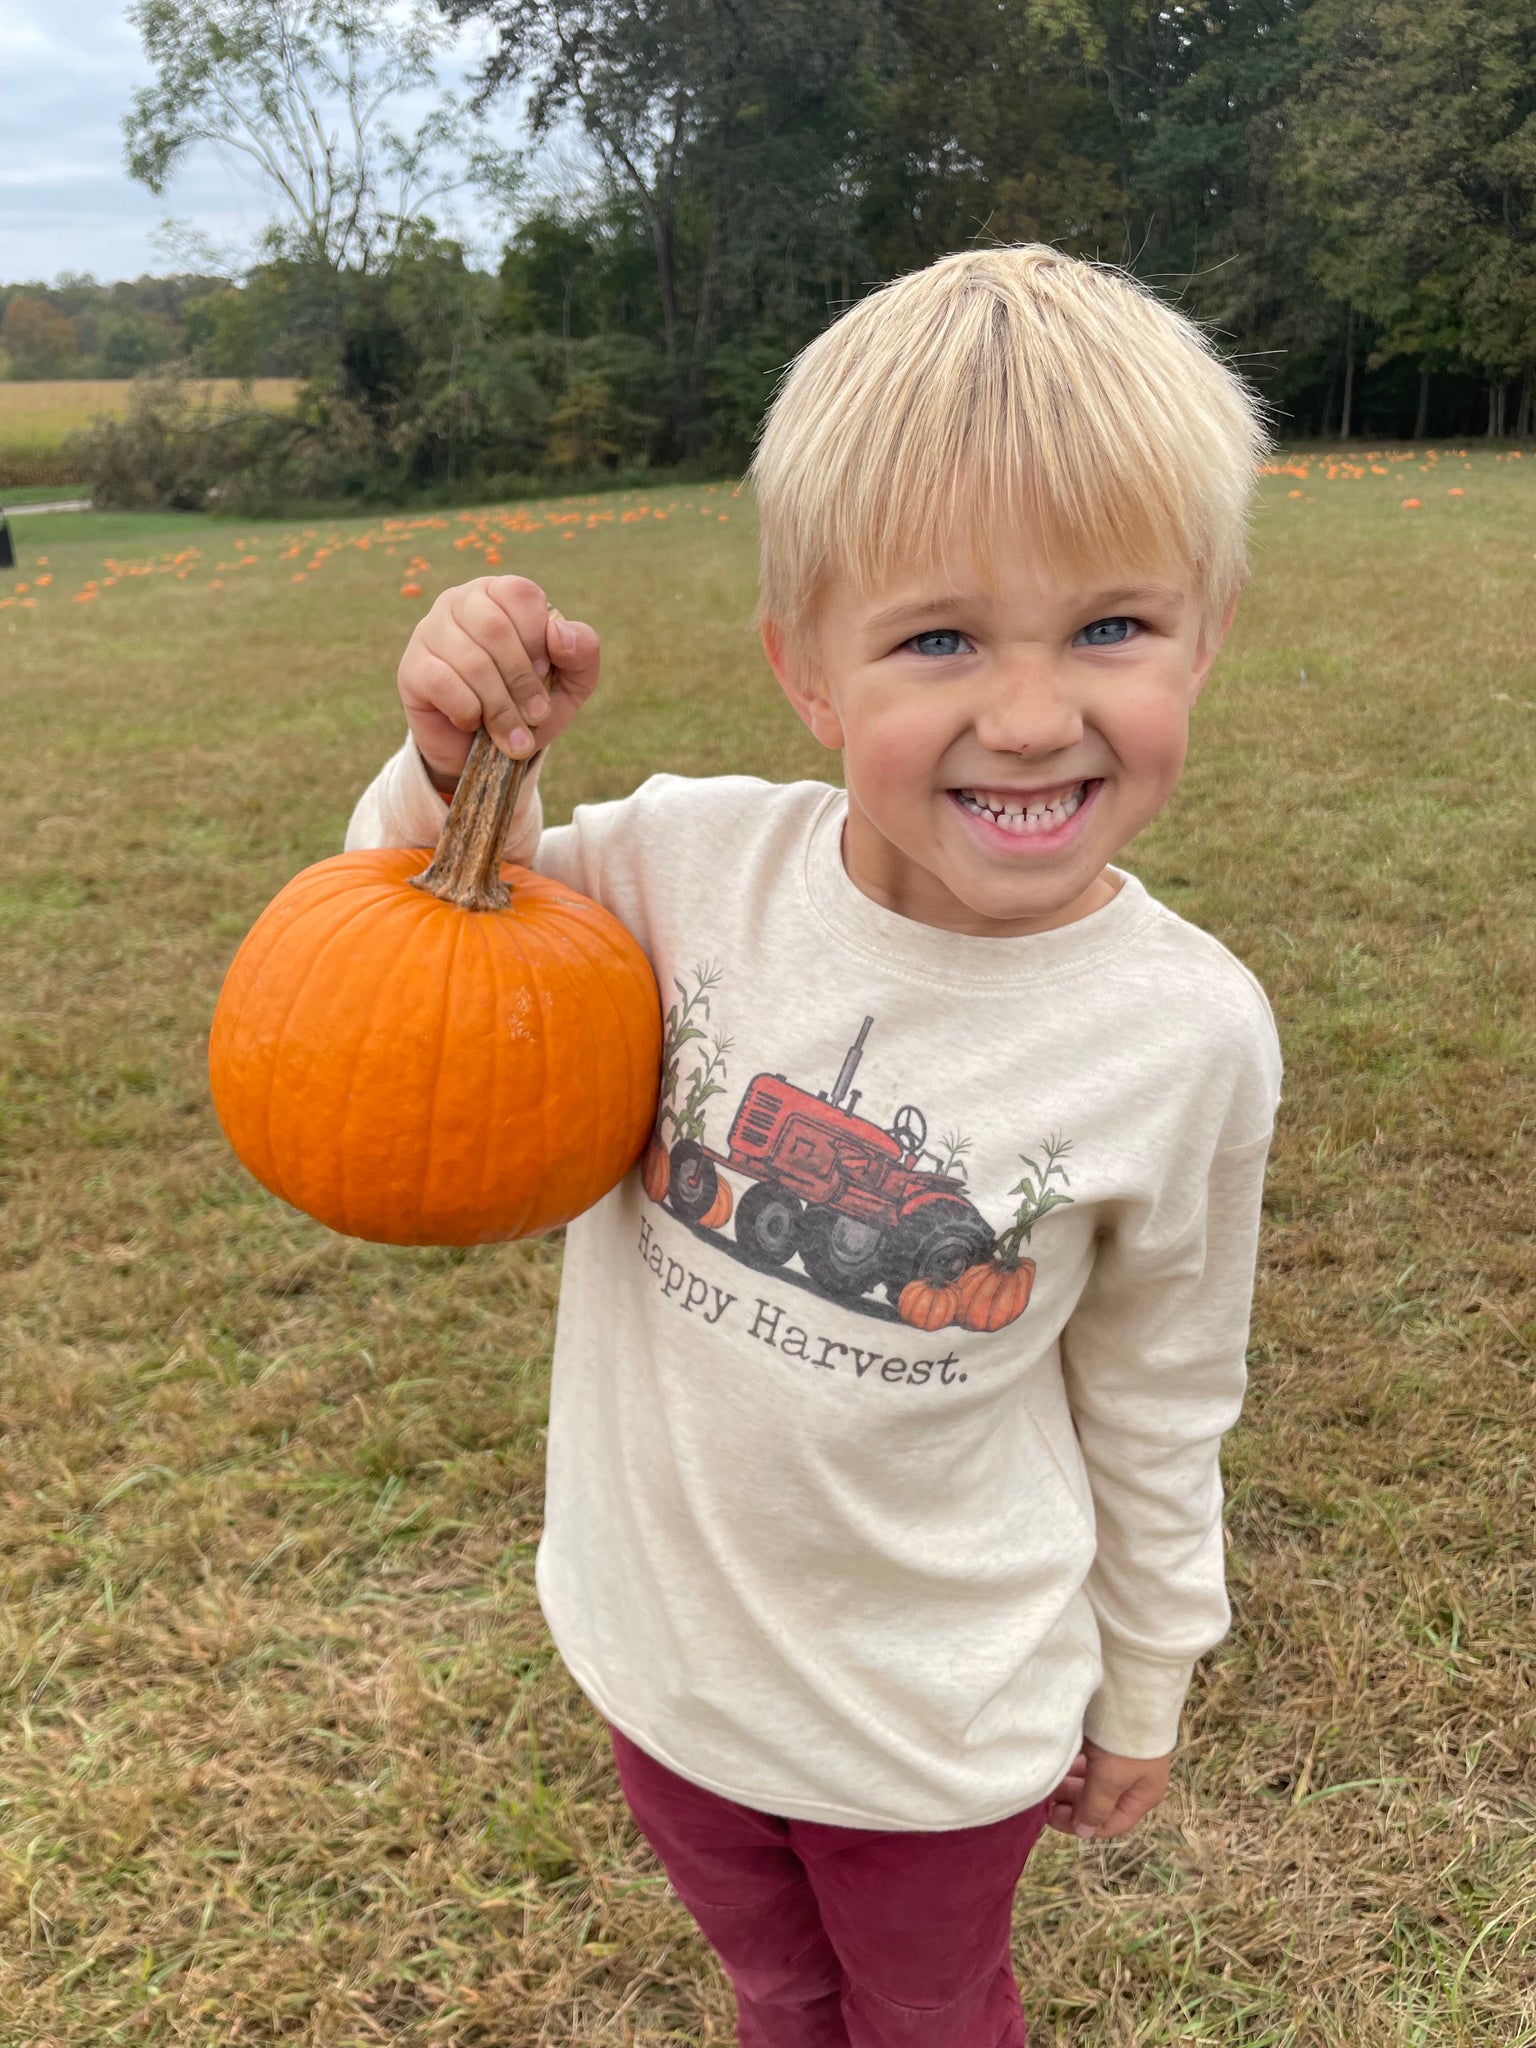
<point>36,417</point>
<point>285,1755</point>
<point>39,415</point>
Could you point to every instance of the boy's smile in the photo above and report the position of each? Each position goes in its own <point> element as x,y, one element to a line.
<point>1005,730</point>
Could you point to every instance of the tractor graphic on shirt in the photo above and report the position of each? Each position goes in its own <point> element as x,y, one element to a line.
<point>861,1204</point>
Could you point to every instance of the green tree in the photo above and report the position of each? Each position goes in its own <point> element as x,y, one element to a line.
<point>727,129</point>
<point>243,330</point>
<point>1415,158</point>
<point>39,340</point>
<point>129,342</point>
<point>985,128</point>
<point>300,92</point>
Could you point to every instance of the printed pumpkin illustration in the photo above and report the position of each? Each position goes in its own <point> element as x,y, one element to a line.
<point>991,1296</point>
<point>498,1087</point>
<point>656,1170</point>
<point>996,1291</point>
<point>928,1305</point>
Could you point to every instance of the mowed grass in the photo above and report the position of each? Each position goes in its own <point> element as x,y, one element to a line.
<point>284,1752</point>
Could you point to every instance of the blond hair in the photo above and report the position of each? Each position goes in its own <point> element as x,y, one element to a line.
<point>998,387</point>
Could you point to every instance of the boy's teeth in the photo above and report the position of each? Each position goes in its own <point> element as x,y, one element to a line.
<point>1019,814</point>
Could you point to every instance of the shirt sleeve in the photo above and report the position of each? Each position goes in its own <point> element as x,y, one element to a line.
<point>1154,1357</point>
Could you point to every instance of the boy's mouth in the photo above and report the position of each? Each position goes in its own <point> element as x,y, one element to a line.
<point>1026,811</point>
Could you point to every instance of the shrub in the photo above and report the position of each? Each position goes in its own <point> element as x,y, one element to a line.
<point>178,449</point>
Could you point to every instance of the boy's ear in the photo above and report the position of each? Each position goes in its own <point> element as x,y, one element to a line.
<point>1209,647</point>
<point>804,686</point>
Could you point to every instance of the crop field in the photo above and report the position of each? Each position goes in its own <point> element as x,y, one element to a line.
<point>285,1755</point>
<point>34,418</point>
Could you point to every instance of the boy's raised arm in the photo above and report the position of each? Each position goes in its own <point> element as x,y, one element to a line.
<point>1154,1357</point>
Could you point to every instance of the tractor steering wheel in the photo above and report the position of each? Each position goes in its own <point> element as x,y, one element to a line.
<point>910,1130</point>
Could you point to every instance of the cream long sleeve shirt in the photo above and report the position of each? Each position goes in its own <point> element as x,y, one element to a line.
<point>824,1562</point>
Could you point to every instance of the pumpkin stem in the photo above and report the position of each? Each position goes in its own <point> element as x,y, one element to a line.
<point>466,869</point>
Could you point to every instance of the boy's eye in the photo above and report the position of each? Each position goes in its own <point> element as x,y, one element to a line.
<point>943,640</point>
<point>1109,632</point>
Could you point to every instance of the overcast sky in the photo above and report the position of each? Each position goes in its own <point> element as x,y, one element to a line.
<point>67,70</point>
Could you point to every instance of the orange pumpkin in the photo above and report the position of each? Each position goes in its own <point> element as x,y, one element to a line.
<point>927,1305</point>
<point>417,1054</point>
<point>656,1170</point>
<point>719,1210</point>
<point>994,1294</point>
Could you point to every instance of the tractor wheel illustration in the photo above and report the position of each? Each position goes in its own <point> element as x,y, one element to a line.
<point>694,1188</point>
<point>768,1226</point>
<point>937,1248</point>
<point>843,1255</point>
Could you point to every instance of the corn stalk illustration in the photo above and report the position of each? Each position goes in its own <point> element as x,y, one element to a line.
<point>1039,1197</point>
<point>684,1027</point>
<point>707,1080</point>
<point>952,1164</point>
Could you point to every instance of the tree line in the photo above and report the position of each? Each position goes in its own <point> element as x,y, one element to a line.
<point>1342,191</point>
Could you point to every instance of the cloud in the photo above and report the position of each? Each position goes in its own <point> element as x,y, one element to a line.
<point>66,200</point>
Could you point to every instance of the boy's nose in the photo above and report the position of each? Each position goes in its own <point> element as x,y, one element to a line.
<point>1026,711</point>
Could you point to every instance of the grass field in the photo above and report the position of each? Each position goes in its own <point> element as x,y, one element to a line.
<point>14,497</point>
<point>35,418</point>
<point>284,1752</point>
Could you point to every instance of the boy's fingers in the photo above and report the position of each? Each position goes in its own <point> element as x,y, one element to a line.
<point>1063,1807</point>
<point>488,623</point>
<point>506,703</point>
<point>451,696</point>
<point>1117,1792</point>
<point>575,653</point>
<point>526,666</point>
<point>524,607</point>
<point>1096,1804</point>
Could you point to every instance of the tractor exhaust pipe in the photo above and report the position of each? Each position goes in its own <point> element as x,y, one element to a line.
<point>850,1065</point>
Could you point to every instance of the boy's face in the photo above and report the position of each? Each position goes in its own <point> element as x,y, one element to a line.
<point>1004,734</point>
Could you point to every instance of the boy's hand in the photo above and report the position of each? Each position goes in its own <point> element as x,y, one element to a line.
<point>1104,1795</point>
<point>492,653</point>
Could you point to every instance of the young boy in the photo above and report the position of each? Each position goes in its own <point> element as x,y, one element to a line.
<point>884,1508</point>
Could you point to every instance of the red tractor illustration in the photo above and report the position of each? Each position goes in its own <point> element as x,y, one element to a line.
<point>849,1196</point>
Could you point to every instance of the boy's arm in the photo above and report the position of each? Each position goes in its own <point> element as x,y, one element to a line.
<point>1154,1358</point>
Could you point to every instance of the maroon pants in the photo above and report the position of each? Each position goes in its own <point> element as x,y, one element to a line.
<point>843,1937</point>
